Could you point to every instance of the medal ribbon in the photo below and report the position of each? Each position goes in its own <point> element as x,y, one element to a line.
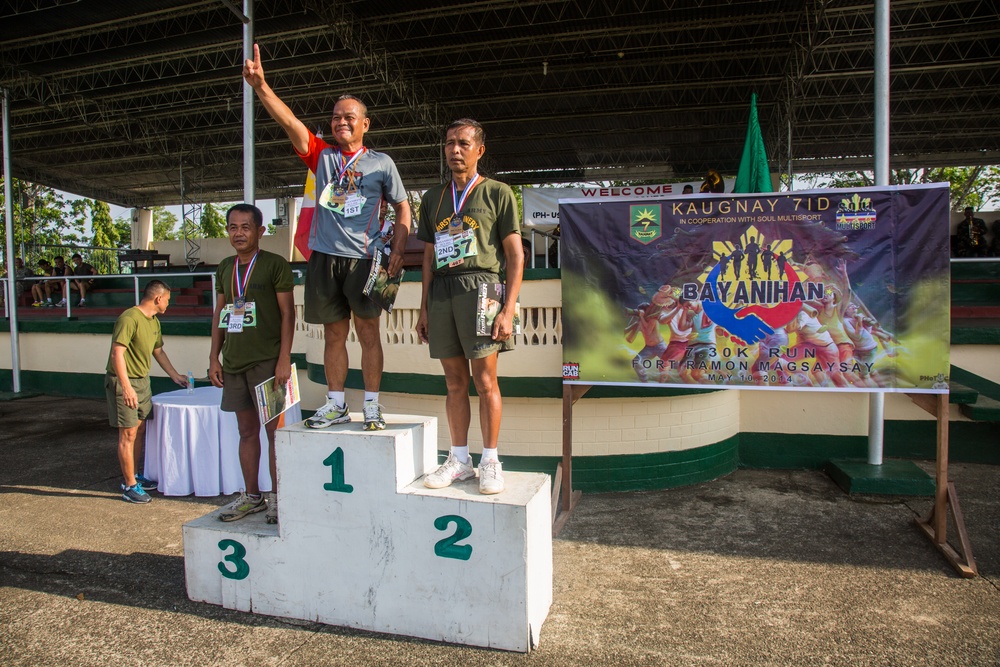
<point>458,204</point>
<point>240,289</point>
<point>346,164</point>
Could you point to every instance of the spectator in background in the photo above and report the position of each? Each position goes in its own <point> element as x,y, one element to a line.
<point>554,248</point>
<point>688,190</point>
<point>59,269</point>
<point>713,182</point>
<point>20,272</point>
<point>81,269</point>
<point>970,238</point>
<point>995,245</point>
<point>38,288</point>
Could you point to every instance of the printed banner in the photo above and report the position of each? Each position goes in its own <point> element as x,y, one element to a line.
<point>541,205</point>
<point>833,290</point>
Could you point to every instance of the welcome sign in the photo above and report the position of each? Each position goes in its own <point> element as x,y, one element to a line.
<point>833,290</point>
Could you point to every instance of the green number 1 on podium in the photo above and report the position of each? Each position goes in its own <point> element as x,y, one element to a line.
<point>336,463</point>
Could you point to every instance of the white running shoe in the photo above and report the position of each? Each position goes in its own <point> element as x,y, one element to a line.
<point>329,414</point>
<point>452,470</point>
<point>271,516</point>
<point>490,477</point>
<point>373,416</point>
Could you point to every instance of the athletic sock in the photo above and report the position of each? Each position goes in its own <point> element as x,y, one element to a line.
<point>338,397</point>
<point>489,454</point>
<point>371,396</point>
<point>461,453</point>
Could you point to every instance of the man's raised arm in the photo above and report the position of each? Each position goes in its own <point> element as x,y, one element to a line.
<point>253,73</point>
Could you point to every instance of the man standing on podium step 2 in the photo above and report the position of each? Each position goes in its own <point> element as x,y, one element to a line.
<point>135,340</point>
<point>471,230</point>
<point>252,327</point>
<point>352,182</point>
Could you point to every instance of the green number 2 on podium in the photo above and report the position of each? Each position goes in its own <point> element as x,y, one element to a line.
<point>448,547</point>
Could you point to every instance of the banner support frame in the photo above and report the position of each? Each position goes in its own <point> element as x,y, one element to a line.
<point>935,525</point>
<point>564,499</point>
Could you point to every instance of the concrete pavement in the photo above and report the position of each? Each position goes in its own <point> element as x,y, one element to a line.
<point>758,568</point>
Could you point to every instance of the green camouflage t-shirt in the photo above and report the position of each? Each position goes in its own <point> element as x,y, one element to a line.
<point>490,211</point>
<point>260,339</point>
<point>140,335</point>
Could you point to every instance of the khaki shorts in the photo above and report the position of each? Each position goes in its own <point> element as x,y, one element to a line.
<point>334,289</point>
<point>239,390</point>
<point>121,415</point>
<point>451,318</point>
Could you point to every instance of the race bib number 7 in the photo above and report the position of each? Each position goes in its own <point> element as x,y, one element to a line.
<point>452,248</point>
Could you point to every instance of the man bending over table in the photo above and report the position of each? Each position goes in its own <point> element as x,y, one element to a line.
<point>136,338</point>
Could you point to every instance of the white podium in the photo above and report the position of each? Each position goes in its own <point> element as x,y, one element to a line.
<point>361,543</point>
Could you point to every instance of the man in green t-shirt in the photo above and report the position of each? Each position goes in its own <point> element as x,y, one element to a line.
<point>135,340</point>
<point>252,328</point>
<point>471,231</point>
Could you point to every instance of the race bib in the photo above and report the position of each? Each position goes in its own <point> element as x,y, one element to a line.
<point>233,322</point>
<point>353,205</point>
<point>454,248</point>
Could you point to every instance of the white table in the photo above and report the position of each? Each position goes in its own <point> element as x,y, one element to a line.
<point>193,447</point>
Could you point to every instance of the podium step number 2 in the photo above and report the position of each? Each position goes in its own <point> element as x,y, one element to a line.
<point>361,543</point>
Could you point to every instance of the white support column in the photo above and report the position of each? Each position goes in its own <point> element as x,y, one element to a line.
<point>876,401</point>
<point>8,191</point>
<point>249,188</point>
<point>142,228</point>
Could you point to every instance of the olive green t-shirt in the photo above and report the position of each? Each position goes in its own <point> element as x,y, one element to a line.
<point>260,340</point>
<point>140,335</point>
<point>490,210</point>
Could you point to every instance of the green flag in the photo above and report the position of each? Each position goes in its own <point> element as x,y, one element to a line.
<point>754,176</point>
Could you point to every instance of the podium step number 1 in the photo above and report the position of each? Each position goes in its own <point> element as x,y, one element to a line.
<point>362,543</point>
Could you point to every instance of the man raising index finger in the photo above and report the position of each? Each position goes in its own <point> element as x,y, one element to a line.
<point>351,182</point>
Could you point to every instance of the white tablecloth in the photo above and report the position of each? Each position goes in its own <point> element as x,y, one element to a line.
<point>193,447</point>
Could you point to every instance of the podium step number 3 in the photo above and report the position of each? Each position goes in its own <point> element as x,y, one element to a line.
<point>361,543</point>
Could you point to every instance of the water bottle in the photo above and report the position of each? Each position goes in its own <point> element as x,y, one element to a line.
<point>190,382</point>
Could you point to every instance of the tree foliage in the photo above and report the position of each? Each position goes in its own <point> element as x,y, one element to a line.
<point>164,224</point>
<point>105,232</point>
<point>123,227</point>
<point>42,219</point>
<point>213,224</point>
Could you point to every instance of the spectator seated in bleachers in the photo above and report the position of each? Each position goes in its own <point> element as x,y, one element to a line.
<point>19,274</point>
<point>82,284</point>
<point>59,269</point>
<point>38,288</point>
<point>970,238</point>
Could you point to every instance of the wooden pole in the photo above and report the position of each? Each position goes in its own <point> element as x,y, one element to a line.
<point>935,526</point>
<point>941,476</point>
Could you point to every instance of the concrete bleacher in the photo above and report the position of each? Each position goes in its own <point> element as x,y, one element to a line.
<point>975,303</point>
<point>191,298</point>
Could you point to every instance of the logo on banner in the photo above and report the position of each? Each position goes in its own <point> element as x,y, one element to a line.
<point>645,222</point>
<point>856,213</point>
<point>754,288</point>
